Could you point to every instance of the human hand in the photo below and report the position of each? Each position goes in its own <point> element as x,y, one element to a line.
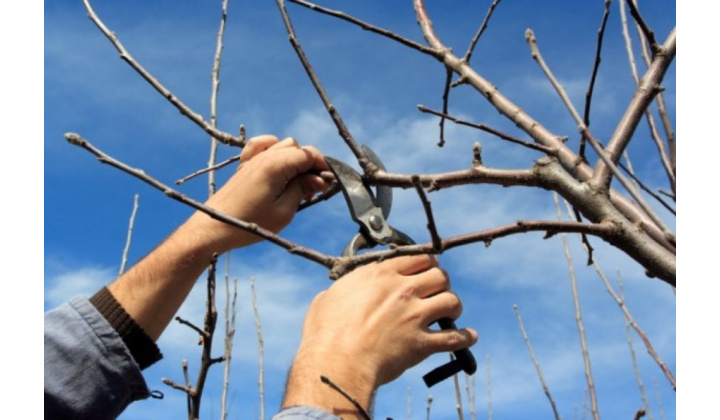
<point>273,177</point>
<point>369,327</point>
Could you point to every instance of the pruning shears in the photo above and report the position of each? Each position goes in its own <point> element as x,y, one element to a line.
<point>370,211</point>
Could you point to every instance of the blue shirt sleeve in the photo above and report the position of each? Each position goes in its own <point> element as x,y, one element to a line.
<point>304,413</point>
<point>89,372</point>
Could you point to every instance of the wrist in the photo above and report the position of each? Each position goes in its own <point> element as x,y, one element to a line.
<point>213,236</point>
<point>321,380</point>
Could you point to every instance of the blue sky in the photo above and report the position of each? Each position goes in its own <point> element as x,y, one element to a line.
<point>376,85</point>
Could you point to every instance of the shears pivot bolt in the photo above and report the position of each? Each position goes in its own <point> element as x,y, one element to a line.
<point>376,223</point>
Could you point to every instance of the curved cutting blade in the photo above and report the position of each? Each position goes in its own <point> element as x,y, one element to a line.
<point>383,193</point>
<point>359,198</point>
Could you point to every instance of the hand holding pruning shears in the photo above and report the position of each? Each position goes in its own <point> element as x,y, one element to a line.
<point>370,210</point>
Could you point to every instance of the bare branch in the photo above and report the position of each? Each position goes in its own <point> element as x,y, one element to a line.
<point>436,241</point>
<point>649,34</point>
<point>633,357</point>
<point>470,391</point>
<point>210,169</point>
<point>367,26</point>
<point>458,393</point>
<point>660,99</point>
<point>654,134</point>
<point>429,403</point>
<point>480,31</point>
<point>176,195</point>
<point>261,374</point>
<point>365,163</point>
<point>445,97</point>
<point>123,262</point>
<point>230,312</point>
<point>596,66</point>
<point>203,334</point>
<point>645,93</point>
<point>174,100</point>
<point>567,158</point>
<point>346,264</point>
<point>215,77</point>
<point>483,127</point>
<point>530,37</point>
<point>578,319</point>
<point>536,363</point>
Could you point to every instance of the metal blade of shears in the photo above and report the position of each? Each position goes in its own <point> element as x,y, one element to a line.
<point>383,193</point>
<point>363,208</point>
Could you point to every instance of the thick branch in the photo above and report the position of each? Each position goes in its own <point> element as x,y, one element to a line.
<point>647,89</point>
<point>569,160</point>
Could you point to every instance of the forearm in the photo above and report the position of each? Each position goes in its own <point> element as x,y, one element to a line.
<point>305,387</point>
<point>152,291</point>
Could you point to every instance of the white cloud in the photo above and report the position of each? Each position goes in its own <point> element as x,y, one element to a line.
<point>68,283</point>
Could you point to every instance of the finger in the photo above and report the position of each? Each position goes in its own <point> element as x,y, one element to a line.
<point>311,184</point>
<point>431,282</point>
<point>412,264</point>
<point>286,142</point>
<point>449,340</point>
<point>441,305</point>
<point>257,145</point>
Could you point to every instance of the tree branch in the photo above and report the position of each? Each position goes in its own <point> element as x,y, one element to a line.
<point>253,228</point>
<point>225,138</point>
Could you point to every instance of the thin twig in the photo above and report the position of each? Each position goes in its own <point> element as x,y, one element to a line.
<point>349,397</point>
<point>309,254</point>
<point>368,27</point>
<point>208,169</point>
<point>649,34</point>
<point>536,363</point>
<point>650,192</point>
<point>593,76</point>
<point>215,78</point>
<point>631,321</point>
<point>578,319</point>
<point>436,241</point>
<point>427,410</point>
<point>458,393</point>
<point>483,127</point>
<point>409,403</point>
<point>209,327</point>
<point>365,163</point>
<point>261,374</point>
<point>202,333</point>
<point>480,31</point>
<point>230,313</point>
<point>174,100</point>
<point>445,98</point>
<point>633,357</point>
<point>126,250</point>
<point>186,375</point>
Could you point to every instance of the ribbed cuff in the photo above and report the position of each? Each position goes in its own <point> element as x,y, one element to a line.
<point>142,348</point>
